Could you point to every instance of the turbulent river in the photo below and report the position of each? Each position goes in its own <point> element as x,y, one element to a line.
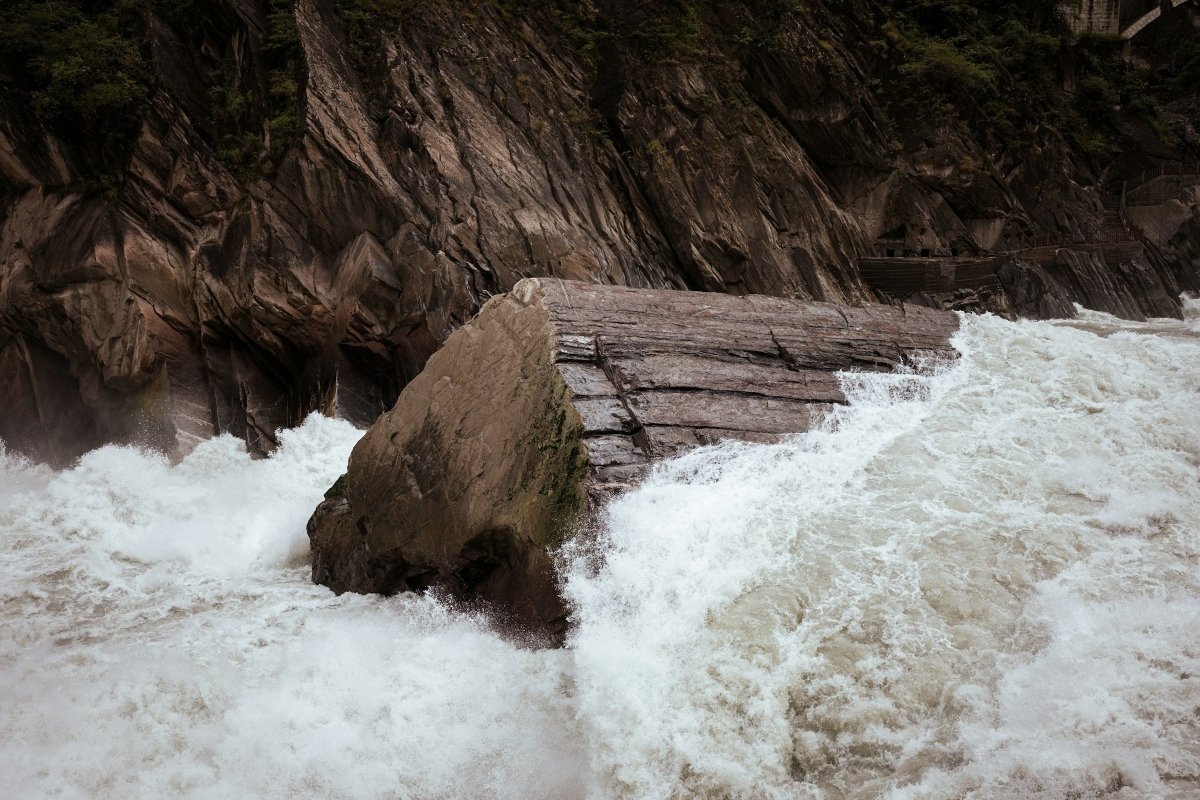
<point>984,583</point>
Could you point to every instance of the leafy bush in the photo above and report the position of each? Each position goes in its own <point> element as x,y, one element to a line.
<point>1096,97</point>
<point>86,67</point>
<point>938,72</point>
<point>997,65</point>
<point>282,57</point>
<point>255,105</point>
<point>83,69</point>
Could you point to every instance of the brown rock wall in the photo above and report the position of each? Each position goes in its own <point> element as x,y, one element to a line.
<point>476,144</point>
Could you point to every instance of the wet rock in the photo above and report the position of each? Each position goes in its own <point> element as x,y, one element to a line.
<point>559,394</point>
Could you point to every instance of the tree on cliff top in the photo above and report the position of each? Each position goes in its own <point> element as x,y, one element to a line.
<point>80,62</point>
<point>87,69</point>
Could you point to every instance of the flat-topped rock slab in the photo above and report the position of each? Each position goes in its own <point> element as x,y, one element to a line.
<point>559,394</point>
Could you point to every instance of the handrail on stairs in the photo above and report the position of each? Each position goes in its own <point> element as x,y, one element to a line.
<point>1140,190</point>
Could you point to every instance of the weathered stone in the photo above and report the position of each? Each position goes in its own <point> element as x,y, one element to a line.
<point>560,393</point>
<point>468,150</point>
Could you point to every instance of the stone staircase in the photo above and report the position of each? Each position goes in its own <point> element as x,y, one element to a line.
<point>1112,227</point>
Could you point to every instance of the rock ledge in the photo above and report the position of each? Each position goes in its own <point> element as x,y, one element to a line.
<point>557,395</point>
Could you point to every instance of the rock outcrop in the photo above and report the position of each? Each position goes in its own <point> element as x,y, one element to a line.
<point>207,287</point>
<point>560,393</point>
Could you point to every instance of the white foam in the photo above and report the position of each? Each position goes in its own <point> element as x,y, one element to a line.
<point>992,592</point>
<point>984,583</point>
<point>162,639</point>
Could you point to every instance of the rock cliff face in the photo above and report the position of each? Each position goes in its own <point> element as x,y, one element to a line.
<point>435,165</point>
<point>561,393</point>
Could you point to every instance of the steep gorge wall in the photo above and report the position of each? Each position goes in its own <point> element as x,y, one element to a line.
<point>432,169</point>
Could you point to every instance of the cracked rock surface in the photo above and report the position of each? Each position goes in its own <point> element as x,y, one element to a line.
<point>560,393</point>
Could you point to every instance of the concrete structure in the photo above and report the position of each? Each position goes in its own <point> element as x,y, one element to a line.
<point>1122,19</point>
<point>903,277</point>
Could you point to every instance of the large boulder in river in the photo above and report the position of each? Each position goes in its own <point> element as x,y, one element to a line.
<point>558,394</point>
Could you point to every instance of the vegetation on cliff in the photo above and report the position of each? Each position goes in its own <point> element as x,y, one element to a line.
<point>742,147</point>
<point>89,71</point>
<point>82,65</point>
<point>1010,70</point>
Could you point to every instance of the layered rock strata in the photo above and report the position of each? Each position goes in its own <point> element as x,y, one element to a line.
<point>439,161</point>
<point>560,393</point>
<point>1127,279</point>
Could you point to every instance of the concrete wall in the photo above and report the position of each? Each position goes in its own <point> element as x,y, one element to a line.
<point>903,277</point>
<point>1094,16</point>
<point>1125,18</point>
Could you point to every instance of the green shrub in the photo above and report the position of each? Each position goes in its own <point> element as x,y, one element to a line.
<point>938,72</point>
<point>1096,98</point>
<point>84,70</point>
<point>284,72</point>
<point>997,66</point>
<point>86,67</point>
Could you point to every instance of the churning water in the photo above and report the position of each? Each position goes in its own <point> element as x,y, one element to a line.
<point>984,583</point>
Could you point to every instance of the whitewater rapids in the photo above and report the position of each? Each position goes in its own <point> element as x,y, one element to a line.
<point>981,583</point>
